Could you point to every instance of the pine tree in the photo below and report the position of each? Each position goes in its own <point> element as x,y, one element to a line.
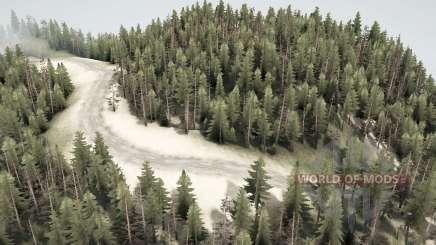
<point>249,116</point>
<point>4,237</point>
<point>319,119</point>
<point>243,238</point>
<point>245,76</point>
<point>296,210</point>
<point>81,158</point>
<point>268,101</point>
<point>153,212</point>
<point>330,231</point>
<point>219,129</point>
<point>162,195</point>
<point>263,236</point>
<point>147,180</point>
<point>194,223</point>
<point>219,90</point>
<point>183,94</point>
<point>257,184</point>
<point>375,104</point>
<point>351,104</point>
<point>242,219</point>
<point>185,197</point>
<point>11,202</point>
<point>357,24</point>
<point>420,206</point>
<point>55,235</point>
<point>101,149</point>
<point>88,223</point>
<point>233,106</point>
<point>264,129</point>
<point>293,128</point>
<point>122,214</point>
<point>63,80</point>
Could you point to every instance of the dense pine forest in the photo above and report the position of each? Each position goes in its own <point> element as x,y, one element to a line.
<point>240,77</point>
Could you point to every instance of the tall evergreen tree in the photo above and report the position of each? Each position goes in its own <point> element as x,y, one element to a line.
<point>194,223</point>
<point>185,197</point>
<point>330,231</point>
<point>257,184</point>
<point>263,236</point>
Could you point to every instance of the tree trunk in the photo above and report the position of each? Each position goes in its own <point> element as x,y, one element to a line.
<point>134,101</point>
<point>144,113</point>
<point>51,96</point>
<point>123,80</point>
<point>33,234</point>
<point>144,224</point>
<point>30,187</point>
<point>167,106</point>
<point>187,114</point>
<point>248,130</point>
<point>129,233</point>
<point>282,111</point>
<point>76,192</point>
<point>194,117</point>
<point>292,229</point>
<point>17,216</point>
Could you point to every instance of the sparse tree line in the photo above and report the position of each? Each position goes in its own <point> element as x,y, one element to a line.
<point>279,79</point>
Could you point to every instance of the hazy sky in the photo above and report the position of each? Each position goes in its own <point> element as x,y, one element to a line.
<point>411,19</point>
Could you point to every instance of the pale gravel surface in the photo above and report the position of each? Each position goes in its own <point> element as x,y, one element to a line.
<point>215,170</point>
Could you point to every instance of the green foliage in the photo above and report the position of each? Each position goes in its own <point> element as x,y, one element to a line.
<point>257,184</point>
<point>243,238</point>
<point>330,231</point>
<point>263,236</point>
<point>185,197</point>
<point>194,224</point>
<point>297,211</point>
<point>219,128</point>
<point>421,204</point>
<point>242,219</point>
<point>239,75</point>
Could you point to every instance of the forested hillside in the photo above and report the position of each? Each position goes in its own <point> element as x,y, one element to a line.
<point>245,78</point>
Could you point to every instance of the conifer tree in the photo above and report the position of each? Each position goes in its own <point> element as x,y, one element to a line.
<point>219,90</point>
<point>250,115</point>
<point>11,202</point>
<point>101,149</point>
<point>147,180</point>
<point>351,104</point>
<point>420,206</point>
<point>185,197</point>
<point>194,223</point>
<point>234,107</point>
<point>296,210</point>
<point>184,91</point>
<point>81,158</point>
<point>122,214</point>
<point>263,236</point>
<point>242,219</point>
<point>243,238</point>
<point>219,129</point>
<point>264,127</point>
<point>257,184</point>
<point>293,128</point>
<point>330,231</point>
<point>319,119</point>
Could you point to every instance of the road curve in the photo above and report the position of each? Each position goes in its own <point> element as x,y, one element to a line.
<point>215,170</point>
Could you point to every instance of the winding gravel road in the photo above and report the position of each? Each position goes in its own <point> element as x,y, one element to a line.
<point>215,170</point>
